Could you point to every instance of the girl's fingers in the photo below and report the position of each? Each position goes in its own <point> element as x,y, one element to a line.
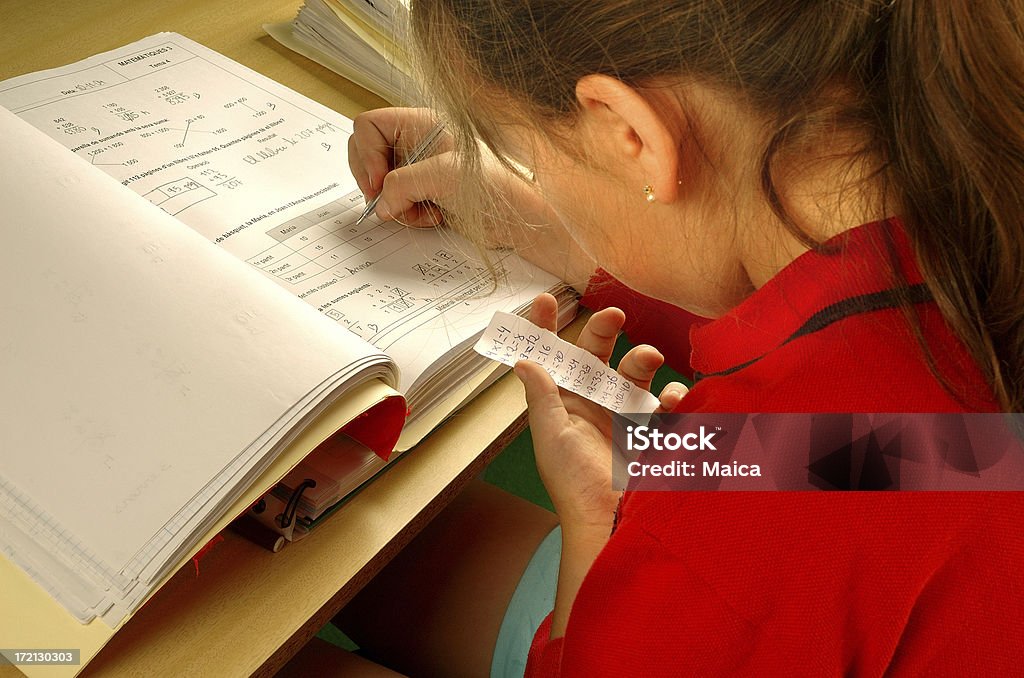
<point>410,194</point>
<point>419,215</point>
<point>381,138</point>
<point>404,128</point>
<point>370,153</point>
<point>544,312</point>
<point>547,414</point>
<point>601,331</point>
<point>359,170</point>
<point>640,364</point>
<point>670,397</point>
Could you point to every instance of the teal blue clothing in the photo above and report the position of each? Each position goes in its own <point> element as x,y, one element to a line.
<point>533,600</point>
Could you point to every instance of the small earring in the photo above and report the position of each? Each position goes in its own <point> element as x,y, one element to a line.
<point>649,192</point>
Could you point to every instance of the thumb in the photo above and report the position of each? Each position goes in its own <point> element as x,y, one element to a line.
<point>547,413</point>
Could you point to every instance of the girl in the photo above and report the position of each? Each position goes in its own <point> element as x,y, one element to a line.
<point>836,184</point>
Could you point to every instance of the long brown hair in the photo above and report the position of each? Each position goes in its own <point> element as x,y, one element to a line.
<point>938,86</point>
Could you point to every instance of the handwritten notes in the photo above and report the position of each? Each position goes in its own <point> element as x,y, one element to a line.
<point>510,338</point>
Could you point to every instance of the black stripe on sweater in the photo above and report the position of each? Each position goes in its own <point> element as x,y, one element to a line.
<point>865,303</point>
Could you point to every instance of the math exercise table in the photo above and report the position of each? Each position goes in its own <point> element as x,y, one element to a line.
<point>248,611</point>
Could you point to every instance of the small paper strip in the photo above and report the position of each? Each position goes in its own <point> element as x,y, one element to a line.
<point>511,338</point>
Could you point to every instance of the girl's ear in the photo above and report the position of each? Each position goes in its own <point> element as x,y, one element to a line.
<point>637,133</point>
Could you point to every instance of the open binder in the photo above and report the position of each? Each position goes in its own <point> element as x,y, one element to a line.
<point>176,337</point>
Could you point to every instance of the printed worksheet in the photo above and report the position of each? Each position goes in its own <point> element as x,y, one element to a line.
<point>211,142</point>
<point>262,172</point>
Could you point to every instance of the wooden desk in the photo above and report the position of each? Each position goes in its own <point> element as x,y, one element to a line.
<point>249,611</point>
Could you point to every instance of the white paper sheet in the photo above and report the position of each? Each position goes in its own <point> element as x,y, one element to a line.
<point>511,338</point>
<point>124,337</point>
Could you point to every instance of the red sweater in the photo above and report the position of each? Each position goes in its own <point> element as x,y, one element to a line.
<point>810,583</point>
<point>648,320</point>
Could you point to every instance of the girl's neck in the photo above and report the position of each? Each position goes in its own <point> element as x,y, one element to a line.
<point>831,189</point>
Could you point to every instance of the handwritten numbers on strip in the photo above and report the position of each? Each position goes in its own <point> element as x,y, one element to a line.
<point>510,338</point>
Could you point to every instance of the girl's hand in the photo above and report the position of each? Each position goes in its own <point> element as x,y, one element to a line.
<point>572,435</point>
<point>410,195</point>
<point>414,195</point>
<point>572,444</point>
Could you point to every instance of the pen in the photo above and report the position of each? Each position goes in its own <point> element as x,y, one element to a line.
<point>417,154</point>
<point>421,150</point>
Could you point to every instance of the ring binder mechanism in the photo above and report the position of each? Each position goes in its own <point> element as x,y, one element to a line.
<point>285,519</point>
<point>276,515</point>
<point>273,534</point>
<point>314,488</point>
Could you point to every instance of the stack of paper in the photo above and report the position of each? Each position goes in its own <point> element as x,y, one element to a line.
<point>362,40</point>
<point>148,379</point>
